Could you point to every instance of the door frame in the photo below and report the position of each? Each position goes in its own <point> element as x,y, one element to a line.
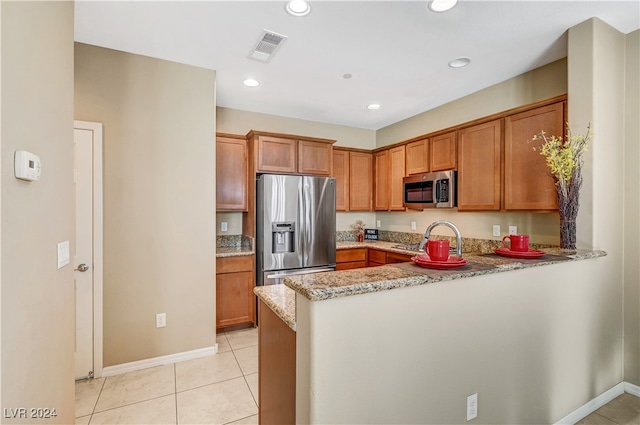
<point>98,219</point>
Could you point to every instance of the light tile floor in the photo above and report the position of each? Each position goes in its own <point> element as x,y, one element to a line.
<point>622,410</point>
<point>223,389</point>
<point>220,389</point>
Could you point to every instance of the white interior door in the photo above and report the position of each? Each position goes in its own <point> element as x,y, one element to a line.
<point>87,160</point>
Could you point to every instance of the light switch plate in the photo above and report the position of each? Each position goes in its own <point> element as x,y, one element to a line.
<point>513,230</point>
<point>378,223</point>
<point>223,226</point>
<point>63,254</point>
<point>413,225</point>
<point>496,230</point>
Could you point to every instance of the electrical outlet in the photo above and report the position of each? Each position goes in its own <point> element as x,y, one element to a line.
<point>224,226</point>
<point>378,223</point>
<point>161,320</point>
<point>496,230</point>
<point>413,225</point>
<point>472,406</point>
<point>513,230</point>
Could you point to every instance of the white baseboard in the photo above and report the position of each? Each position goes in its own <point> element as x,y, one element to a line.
<point>159,361</point>
<point>604,398</point>
<point>632,389</point>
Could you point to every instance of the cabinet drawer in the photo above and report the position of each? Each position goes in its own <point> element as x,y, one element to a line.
<point>348,255</point>
<point>234,264</point>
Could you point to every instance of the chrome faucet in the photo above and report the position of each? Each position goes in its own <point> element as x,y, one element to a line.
<point>453,227</point>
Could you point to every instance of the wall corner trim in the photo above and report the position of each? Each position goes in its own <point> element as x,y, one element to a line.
<point>593,405</point>
<point>159,361</point>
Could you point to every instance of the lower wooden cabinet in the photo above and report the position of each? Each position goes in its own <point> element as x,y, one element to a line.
<point>354,258</point>
<point>277,369</point>
<point>235,300</point>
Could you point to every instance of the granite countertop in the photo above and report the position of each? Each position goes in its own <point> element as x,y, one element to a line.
<point>386,246</point>
<point>281,299</point>
<point>234,251</point>
<point>324,286</point>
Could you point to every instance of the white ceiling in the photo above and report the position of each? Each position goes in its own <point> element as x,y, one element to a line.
<point>397,51</point>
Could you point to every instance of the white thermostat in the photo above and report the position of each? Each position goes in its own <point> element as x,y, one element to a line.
<point>27,166</point>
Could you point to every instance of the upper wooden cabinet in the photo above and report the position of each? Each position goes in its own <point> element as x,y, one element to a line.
<point>314,158</point>
<point>352,170</point>
<point>396,174</point>
<point>231,173</point>
<point>381,180</point>
<point>417,157</point>
<point>276,155</point>
<point>479,152</point>
<point>443,152</point>
<point>285,154</point>
<point>360,181</point>
<point>527,182</point>
<point>389,170</point>
<point>341,174</point>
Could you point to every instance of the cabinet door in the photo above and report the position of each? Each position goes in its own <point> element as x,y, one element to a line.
<point>277,155</point>
<point>235,302</point>
<point>527,182</point>
<point>397,172</point>
<point>341,174</point>
<point>381,180</point>
<point>277,366</point>
<point>418,157</point>
<point>443,152</point>
<point>314,158</point>
<point>231,174</point>
<point>393,258</point>
<point>479,167</point>
<point>376,257</point>
<point>360,181</point>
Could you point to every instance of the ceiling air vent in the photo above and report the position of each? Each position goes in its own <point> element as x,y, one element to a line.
<point>267,46</point>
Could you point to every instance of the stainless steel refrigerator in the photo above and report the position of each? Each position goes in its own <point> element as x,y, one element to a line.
<point>295,226</point>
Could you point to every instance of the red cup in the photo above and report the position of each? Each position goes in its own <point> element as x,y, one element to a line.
<point>438,249</point>
<point>518,243</point>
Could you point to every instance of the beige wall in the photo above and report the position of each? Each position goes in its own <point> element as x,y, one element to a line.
<point>632,211</point>
<point>37,299</point>
<point>241,122</point>
<point>534,344</point>
<point>159,197</point>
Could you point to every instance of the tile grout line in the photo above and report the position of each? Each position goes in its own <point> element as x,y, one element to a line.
<point>97,399</point>
<point>175,387</point>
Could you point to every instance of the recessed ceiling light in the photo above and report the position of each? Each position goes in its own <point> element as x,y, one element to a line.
<point>347,76</point>
<point>373,106</point>
<point>298,7</point>
<point>250,82</point>
<point>459,62</point>
<point>442,5</point>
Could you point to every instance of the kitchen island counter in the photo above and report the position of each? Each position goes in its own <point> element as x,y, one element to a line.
<point>324,286</point>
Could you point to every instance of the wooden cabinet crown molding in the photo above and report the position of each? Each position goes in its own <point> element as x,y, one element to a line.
<point>254,133</point>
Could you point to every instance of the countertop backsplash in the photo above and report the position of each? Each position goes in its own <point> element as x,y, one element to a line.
<point>234,241</point>
<point>468,244</point>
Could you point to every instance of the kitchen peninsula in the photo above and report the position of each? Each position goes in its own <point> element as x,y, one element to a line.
<point>402,344</point>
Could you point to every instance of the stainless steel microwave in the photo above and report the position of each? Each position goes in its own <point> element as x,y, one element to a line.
<point>430,190</point>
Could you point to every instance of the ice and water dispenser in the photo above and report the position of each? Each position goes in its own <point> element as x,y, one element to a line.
<point>283,236</point>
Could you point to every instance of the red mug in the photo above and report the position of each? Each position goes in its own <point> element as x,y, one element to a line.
<point>518,243</point>
<point>438,249</point>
